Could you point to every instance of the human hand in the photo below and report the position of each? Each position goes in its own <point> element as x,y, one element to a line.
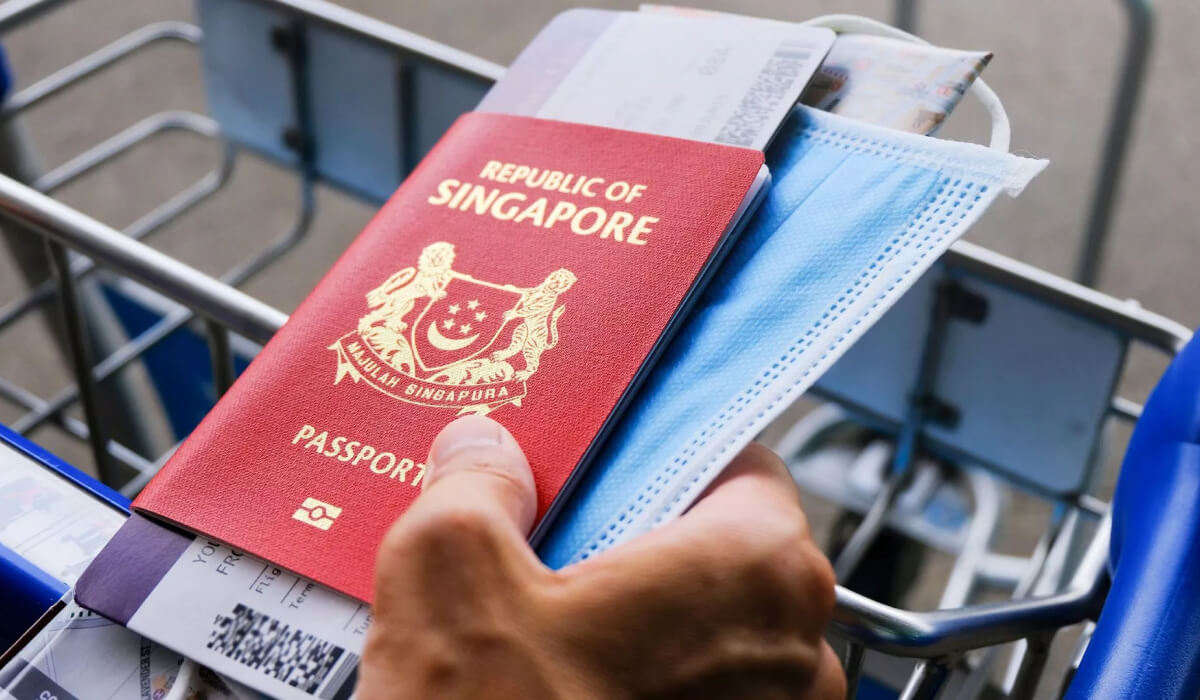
<point>729,601</point>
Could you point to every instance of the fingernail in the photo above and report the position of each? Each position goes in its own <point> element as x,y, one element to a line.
<point>466,433</point>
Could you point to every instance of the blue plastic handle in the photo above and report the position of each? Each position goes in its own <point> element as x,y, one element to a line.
<point>1147,639</point>
<point>6,77</point>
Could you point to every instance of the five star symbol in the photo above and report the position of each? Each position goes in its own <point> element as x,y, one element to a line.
<point>464,328</point>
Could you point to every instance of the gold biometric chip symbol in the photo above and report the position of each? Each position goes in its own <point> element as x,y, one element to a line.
<point>317,513</point>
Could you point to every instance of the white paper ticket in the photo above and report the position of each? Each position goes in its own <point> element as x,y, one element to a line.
<point>256,623</point>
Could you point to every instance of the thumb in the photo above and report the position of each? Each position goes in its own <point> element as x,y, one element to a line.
<point>476,467</point>
<point>458,554</point>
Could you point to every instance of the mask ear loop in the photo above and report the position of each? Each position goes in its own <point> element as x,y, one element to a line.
<point>183,681</point>
<point>855,24</point>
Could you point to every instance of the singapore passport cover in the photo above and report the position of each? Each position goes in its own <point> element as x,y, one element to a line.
<point>527,269</point>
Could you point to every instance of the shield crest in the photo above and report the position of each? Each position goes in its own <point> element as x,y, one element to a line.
<point>464,323</point>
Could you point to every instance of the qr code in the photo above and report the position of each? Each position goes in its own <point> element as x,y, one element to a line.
<point>262,643</point>
<point>769,88</point>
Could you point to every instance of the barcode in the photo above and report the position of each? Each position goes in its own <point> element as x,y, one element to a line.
<point>772,85</point>
<point>262,643</point>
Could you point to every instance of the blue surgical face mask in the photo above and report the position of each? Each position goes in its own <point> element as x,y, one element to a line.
<point>856,213</point>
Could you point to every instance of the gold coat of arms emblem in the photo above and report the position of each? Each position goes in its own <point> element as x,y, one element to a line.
<point>436,337</point>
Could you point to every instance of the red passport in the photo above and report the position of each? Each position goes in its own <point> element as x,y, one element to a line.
<point>527,269</point>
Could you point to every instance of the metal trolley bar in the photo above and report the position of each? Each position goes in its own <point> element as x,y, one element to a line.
<point>14,12</point>
<point>58,81</point>
<point>406,43</point>
<point>936,634</point>
<point>1128,317</point>
<point>166,212</point>
<point>236,310</point>
<point>1125,100</point>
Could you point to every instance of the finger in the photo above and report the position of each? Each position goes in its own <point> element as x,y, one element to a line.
<point>744,547</point>
<point>476,464</point>
<point>476,507</point>
<point>457,562</point>
<point>751,518</point>
<point>753,499</point>
<point>830,680</point>
<point>740,564</point>
<point>755,473</point>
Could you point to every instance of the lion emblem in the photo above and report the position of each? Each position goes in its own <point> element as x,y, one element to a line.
<point>435,336</point>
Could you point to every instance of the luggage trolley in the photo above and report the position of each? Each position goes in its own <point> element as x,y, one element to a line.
<point>989,381</point>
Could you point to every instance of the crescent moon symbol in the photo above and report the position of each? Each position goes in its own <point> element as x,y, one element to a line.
<point>441,342</point>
